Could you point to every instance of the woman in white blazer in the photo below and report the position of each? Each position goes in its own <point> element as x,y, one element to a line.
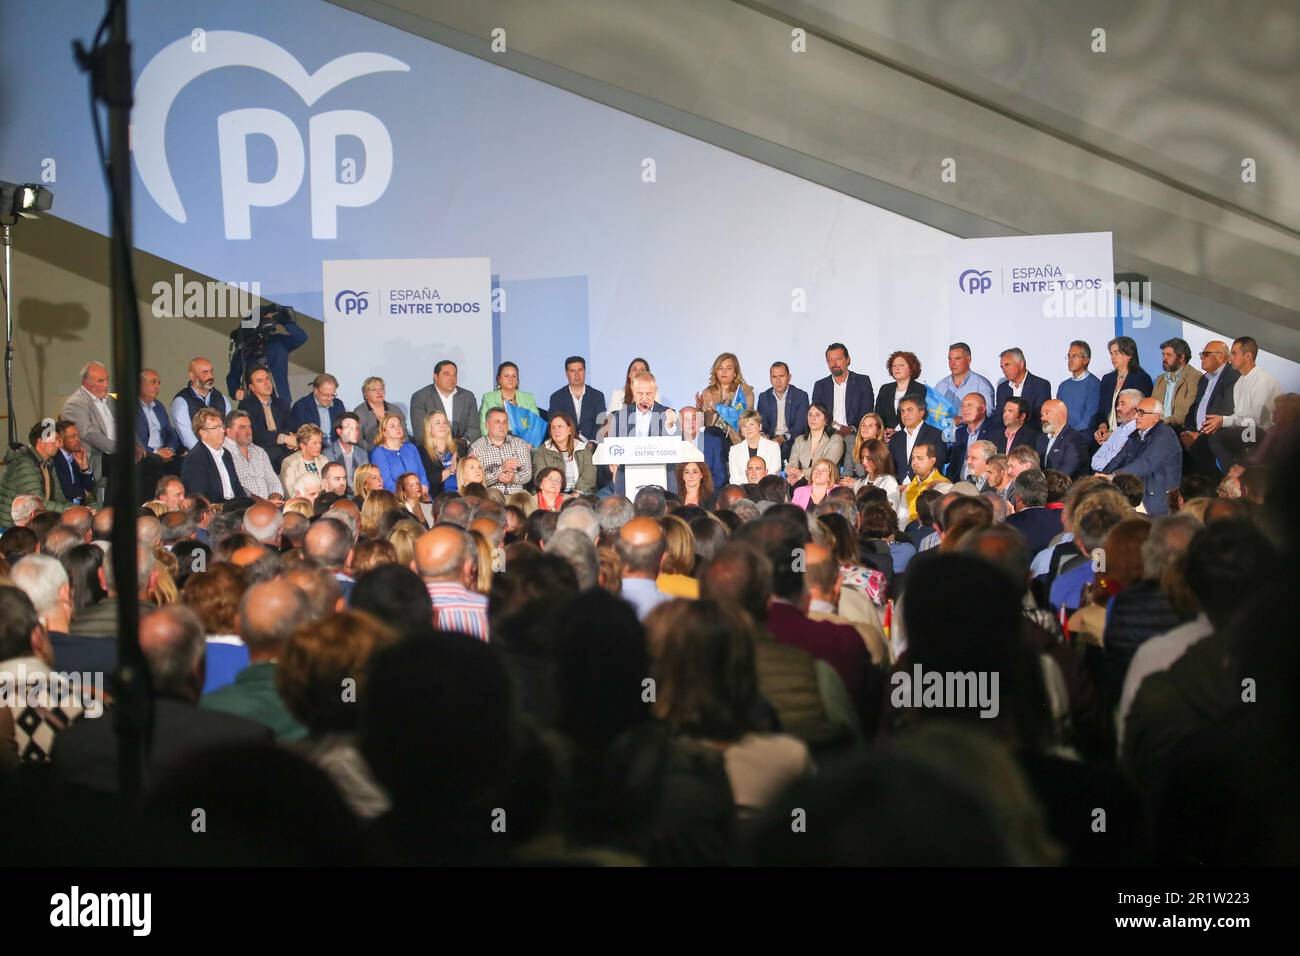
<point>752,443</point>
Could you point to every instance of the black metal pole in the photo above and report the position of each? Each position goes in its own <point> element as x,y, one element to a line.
<point>7,241</point>
<point>134,710</point>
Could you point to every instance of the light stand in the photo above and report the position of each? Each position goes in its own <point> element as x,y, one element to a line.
<point>27,202</point>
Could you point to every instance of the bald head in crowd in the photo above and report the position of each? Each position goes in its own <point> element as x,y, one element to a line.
<point>444,553</point>
<point>322,590</point>
<point>329,543</point>
<point>80,519</point>
<point>263,522</point>
<point>641,546</point>
<point>172,641</point>
<point>268,614</point>
<point>1055,416</point>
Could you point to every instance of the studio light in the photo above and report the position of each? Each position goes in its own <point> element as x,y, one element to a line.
<point>27,200</point>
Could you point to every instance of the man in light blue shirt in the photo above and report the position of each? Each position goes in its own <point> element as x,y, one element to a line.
<point>962,381</point>
<point>641,545</point>
<point>1112,441</point>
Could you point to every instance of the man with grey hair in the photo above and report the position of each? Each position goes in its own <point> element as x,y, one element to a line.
<point>613,512</point>
<point>24,509</point>
<point>651,502</point>
<point>172,641</point>
<point>293,529</point>
<point>100,620</point>
<point>329,543</point>
<point>269,613</point>
<point>575,547</point>
<point>263,521</point>
<point>252,463</point>
<point>581,518</point>
<point>1019,382</point>
<point>59,540</point>
<point>444,559</point>
<point>1032,518</point>
<point>45,582</point>
<point>745,510</point>
<point>89,409</point>
<point>1126,423</point>
<point>1152,453</point>
<point>148,531</point>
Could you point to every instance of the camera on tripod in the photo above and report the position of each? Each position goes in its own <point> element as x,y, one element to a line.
<point>251,343</point>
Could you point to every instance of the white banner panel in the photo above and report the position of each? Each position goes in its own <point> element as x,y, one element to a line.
<point>396,318</point>
<point>1036,293</point>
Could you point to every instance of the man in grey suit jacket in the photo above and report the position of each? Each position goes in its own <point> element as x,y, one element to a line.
<point>435,398</point>
<point>91,410</point>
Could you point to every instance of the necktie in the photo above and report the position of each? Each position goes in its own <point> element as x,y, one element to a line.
<point>270,419</point>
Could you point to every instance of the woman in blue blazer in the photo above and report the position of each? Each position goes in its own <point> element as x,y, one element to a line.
<point>394,455</point>
<point>1128,373</point>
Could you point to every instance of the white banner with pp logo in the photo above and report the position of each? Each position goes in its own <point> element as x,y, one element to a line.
<point>1035,293</point>
<point>397,318</point>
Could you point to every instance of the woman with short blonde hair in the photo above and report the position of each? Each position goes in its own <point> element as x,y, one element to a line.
<point>307,460</point>
<point>469,472</point>
<point>373,408</point>
<point>752,442</point>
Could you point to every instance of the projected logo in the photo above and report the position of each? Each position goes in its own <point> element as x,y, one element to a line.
<point>351,303</point>
<point>973,280</point>
<point>177,64</point>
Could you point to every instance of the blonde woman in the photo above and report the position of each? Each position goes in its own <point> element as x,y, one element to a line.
<point>821,479</point>
<point>402,538</point>
<point>819,441</point>
<point>869,426</point>
<point>727,387</point>
<point>410,496</point>
<point>394,455</point>
<point>307,460</point>
<point>469,472</point>
<point>376,505</point>
<point>439,453</point>
<point>752,443</point>
<point>373,408</point>
<point>298,506</point>
<point>679,559</point>
<point>482,563</point>
<point>365,480</point>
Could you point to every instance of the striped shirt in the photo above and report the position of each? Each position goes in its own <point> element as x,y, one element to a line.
<point>459,609</point>
<point>255,472</point>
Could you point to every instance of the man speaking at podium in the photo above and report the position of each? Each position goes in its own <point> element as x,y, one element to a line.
<point>644,418</point>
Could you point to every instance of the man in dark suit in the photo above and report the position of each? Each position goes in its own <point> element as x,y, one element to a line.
<point>172,640</point>
<point>974,422</point>
<point>784,409</point>
<point>1038,523</point>
<point>1017,426</point>
<point>1153,454</point>
<point>1021,382</point>
<point>435,397</point>
<point>203,470</point>
<point>1060,447</point>
<point>71,463</point>
<point>711,441</point>
<point>269,415</point>
<point>584,405</point>
<point>1213,397</point>
<point>913,428</point>
<point>846,395</point>
<point>644,418</point>
<point>320,408</point>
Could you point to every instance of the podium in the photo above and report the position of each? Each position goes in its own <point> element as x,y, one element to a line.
<point>645,461</point>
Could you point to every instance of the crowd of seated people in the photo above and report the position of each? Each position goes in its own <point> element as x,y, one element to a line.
<point>441,633</point>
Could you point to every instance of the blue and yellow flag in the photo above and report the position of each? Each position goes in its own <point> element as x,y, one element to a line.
<point>940,412</point>
<point>527,425</point>
<point>731,413</point>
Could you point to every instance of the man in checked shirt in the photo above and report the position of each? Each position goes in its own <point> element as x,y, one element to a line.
<point>507,459</point>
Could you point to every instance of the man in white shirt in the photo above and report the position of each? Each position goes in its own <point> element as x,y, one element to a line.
<point>1253,398</point>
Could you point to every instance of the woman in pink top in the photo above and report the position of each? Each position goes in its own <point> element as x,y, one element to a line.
<point>821,481</point>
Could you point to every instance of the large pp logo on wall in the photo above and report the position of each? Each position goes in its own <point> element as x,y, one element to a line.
<point>177,64</point>
<point>973,280</point>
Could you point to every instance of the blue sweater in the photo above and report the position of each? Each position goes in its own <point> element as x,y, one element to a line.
<point>393,464</point>
<point>1081,398</point>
